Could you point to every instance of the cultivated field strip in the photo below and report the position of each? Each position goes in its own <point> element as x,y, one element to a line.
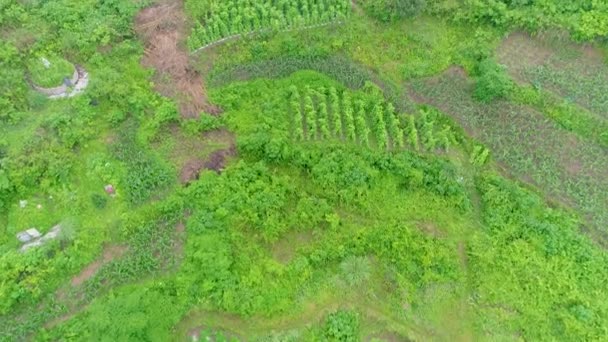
<point>532,146</point>
<point>232,18</point>
<point>578,74</point>
<point>328,114</point>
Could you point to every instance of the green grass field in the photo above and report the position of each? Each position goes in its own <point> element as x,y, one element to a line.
<point>430,172</point>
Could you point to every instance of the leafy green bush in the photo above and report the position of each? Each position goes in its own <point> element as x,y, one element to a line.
<point>342,326</point>
<point>492,82</point>
<point>99,201</point>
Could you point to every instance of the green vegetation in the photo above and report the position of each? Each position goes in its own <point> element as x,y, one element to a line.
<point>232,17</point>
<point>492,82</point>
<point>413,170</point>
<point>52,76</point>
<point>391,10</point>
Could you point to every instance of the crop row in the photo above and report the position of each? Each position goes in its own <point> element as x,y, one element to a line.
<point>325,113</point>
<point>234,17</point>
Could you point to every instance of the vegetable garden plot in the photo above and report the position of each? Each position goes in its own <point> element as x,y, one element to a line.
<point>532,146</point>
<point>574,72</point>
<point>235,17</point>
<point>328,114</point>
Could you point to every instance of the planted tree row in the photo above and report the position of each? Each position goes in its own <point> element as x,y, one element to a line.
<point>233,17</point>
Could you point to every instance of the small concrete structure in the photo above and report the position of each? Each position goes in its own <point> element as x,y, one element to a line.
<point>28,235</point>
<point>56,91</point>
<point>39,241</point>
<point>70,86</point>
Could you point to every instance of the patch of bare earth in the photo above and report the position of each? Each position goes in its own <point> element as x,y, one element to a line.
<point>215,161</point>
<point>110,253</point>
<point>162,27</point>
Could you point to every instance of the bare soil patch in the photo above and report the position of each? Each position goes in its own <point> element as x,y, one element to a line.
<point>110,253</point>
<point>519,51</point>
<point>216,162</point>
<point>192,153</point>
<point>162,27</point>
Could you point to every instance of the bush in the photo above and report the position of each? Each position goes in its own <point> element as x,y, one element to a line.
<point>390,10</point>
<point>492,81</point>
<point>342,326</point>
<point>99,201</point>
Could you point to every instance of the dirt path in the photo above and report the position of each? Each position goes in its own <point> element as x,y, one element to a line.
<point>163,27</point>
<point>109,254</point>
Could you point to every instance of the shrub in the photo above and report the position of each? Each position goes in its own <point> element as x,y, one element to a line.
<point>355,270</point>
<point>99,201</point>
<point>342,325</point>
<point>492,81</point>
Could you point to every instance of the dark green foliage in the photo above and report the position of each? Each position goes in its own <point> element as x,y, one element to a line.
<point>343,326</point>
<point>99,201</point>
<point>492,81</point>
<point>586,20</point>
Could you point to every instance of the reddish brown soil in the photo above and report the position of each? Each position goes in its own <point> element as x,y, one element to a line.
<point>191,170</point>
<point>216,161</point>
<point>162,27</point>
<point>109,254</point>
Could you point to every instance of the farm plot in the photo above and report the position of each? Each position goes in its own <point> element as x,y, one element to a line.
<point>534,148</point>
<point>325,113</point>
<point>577,73</point>
<point>235,17</point>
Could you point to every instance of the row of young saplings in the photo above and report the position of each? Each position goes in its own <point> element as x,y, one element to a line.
<point>326,113</point>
